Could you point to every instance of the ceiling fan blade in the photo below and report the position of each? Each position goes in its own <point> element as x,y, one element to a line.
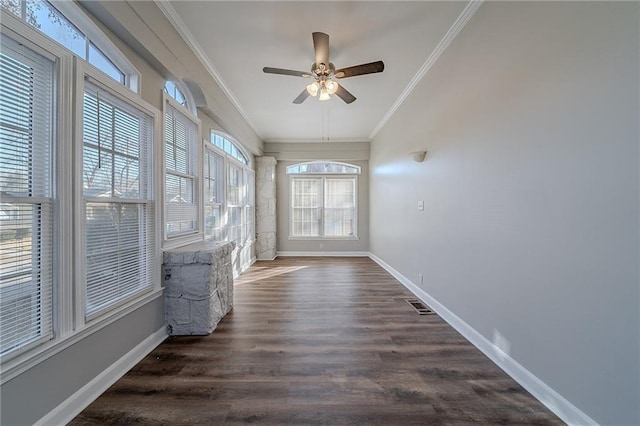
<point>281,71</point>
<point>301,97</point>
<point>321,48</point>
<point>355,70</point>
<point>344,94</point>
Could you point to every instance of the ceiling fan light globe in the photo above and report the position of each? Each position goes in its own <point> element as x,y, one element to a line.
<point>324,95</point>
<point>331,86</point>
<point>313,88</point>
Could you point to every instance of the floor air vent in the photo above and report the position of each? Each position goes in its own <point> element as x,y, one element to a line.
<point>420,307</point>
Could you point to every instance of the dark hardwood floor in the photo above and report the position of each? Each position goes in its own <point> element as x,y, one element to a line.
<point>318,341</point>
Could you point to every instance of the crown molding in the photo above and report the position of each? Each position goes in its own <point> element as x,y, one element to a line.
<point>182,29</point>
<point>451,34</point>
<point>315,140</point>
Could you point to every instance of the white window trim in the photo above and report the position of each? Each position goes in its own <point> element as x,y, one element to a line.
<point>188,97</point>
<point>89,28</point>
<point>83,73</point>
<point>238,146</point>
<point>324,177</point>
<point>171,242</point>
<point>323,174</point>
<point>69,325</point>
<point>228,158</point>
<point>206,145</point>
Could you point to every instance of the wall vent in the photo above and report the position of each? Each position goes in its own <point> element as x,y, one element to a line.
<point>420,307</point>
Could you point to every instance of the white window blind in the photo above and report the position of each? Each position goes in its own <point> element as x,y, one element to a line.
<point>236,200</point>
<point>119,209</point>
<point>323,207</point>
<point>181,200</point>
<point>306,207</point>
<point>213,196</point>
<point>26,205</point>
<point>339,207</point>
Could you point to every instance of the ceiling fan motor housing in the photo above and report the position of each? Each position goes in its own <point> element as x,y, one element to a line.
<point>319,70</point>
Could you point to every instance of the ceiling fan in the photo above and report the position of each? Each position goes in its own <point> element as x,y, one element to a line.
<point>323,73</point>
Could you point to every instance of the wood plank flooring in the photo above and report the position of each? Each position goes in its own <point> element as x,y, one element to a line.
<point>327,341</point>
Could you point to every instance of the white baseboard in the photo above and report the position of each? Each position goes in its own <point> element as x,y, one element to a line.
<point>322,254</point>
<point>72,406</point>
<point>267,259</point>
<point>555,402</point>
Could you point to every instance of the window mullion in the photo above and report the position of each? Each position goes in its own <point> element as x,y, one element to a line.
<point>324,204</point>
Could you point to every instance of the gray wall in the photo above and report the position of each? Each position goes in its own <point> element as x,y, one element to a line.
<point>291,153</point>
<point>530,225</point>
<point>33,394</point>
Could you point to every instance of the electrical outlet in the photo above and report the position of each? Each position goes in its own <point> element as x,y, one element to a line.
<point>420,279</point>
<point>321,245</point>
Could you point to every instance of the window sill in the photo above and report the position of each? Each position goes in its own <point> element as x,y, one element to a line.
<point>355,238</point>
<point>16,366</point>
<point>182,240</point>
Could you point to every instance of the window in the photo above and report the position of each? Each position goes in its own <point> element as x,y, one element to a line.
<point>323,168</point>
<point>174,91</point>
<point>119,209</point>
<point>323,206</point>
<point>213,196</point>
<point>26,203</point>
<point>181,171</point>
<point>77,204</point>
<point>236,203</point>
<point>55,23</point>
<point>229,147</point>
<point>232,216</point>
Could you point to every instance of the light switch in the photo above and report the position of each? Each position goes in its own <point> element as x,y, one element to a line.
<point>420,206</point>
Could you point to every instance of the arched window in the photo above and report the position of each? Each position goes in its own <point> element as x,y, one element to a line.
<point>323,200</point>
<point>323,168</point>
<point>182,167</point>
<point>174,91</point>
<point>67,25</point>
<point>229,147</point>
<point>229,197</point>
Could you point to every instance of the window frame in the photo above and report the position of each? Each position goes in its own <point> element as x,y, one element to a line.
<point>195,235</point>
<point>323,177</point>
<point>221,192</point>
<point>229,153</point>
<point>50,199</point>
<point>84,73</point>
<point>69,325</point>
<point>248,209</point>
<point>85,24</point>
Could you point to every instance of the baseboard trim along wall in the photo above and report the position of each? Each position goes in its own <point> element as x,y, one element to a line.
<point>81,399</point>
<point>555,402</point>
<point>322,254</point>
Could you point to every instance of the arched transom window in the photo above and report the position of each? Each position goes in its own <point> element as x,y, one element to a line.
<point>323,168</point>
<point>229,147</point>
<point>66,24</point>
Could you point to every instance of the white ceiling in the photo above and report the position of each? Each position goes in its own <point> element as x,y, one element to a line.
<point>236,39</point>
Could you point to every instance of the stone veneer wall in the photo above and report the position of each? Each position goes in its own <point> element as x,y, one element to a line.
<point>198,281</point>
<point>265,208</point>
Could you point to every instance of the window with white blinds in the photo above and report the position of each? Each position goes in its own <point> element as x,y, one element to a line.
<point>213,196</point>
<point>306,207</point>
<point>236,200</point>
<point>181,195</point>
<point>119,209</point>
<point>323,207</point>
<point>26,203</point>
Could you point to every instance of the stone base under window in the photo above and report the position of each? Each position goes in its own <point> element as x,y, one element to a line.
<point>198,281</point>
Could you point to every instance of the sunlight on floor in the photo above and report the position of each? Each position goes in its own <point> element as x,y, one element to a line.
<point>262,272</point>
